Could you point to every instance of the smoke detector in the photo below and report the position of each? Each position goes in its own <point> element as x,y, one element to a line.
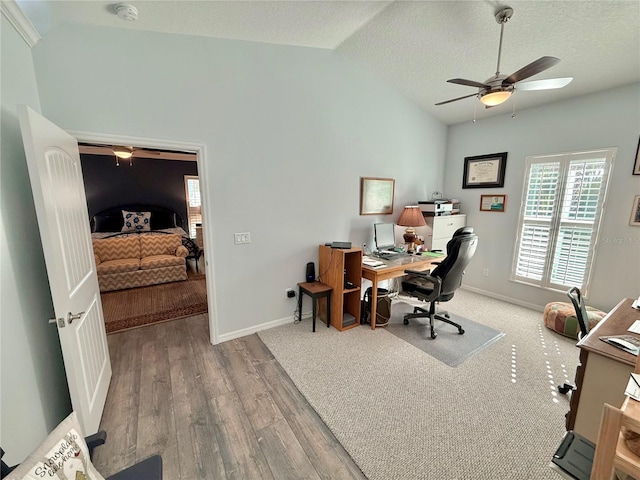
<point>126,11</point>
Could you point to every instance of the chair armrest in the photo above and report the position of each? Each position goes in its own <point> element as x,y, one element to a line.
<point>182,251</point>
<point>149,469</point>
<point>97,259</point>
<point>95,440</point>
<point>436,281</point>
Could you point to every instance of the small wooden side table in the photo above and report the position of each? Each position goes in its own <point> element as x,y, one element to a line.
<point>315,290</point>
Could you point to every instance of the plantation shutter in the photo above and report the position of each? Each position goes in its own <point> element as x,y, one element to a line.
<point>540,200</point>
<point>192,188</point>
<point>561,212</point>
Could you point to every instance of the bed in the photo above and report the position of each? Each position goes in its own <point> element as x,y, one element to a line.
<point>108,223</point>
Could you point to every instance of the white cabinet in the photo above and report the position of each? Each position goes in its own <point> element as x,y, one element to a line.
<point>441,229</point>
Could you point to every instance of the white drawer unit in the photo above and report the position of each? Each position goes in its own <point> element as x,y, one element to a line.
<point>441,229</point>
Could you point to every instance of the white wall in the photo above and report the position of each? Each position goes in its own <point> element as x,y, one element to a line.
<point>288,133</point>
<point>606,119</point>
<point>33,388</point>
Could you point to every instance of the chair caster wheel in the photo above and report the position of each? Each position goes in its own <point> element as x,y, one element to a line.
<point>434,335</point>
<point>406,321</point>
<point>460,332</point>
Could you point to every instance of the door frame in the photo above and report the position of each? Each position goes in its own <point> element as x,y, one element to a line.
<point>200,150</point>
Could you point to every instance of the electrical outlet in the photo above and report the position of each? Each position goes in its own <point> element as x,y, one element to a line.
<point>290,292</point>
<point>485,272</point>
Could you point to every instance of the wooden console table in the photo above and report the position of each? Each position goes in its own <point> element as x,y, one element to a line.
<point>393,269</point>
<point>603,372</point>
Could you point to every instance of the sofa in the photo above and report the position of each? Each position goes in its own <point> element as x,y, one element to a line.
<point>139,260</point>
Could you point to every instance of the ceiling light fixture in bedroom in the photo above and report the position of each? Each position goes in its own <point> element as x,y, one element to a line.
<point>123,153</point>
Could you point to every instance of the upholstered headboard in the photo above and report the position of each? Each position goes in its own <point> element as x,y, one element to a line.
<point>111,219</point>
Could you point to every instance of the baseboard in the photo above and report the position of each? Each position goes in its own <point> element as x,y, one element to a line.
<point>257,328</point>
<point>503,298</point>
<point>307,315</point>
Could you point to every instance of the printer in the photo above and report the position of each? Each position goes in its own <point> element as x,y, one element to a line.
<point>436,207</point>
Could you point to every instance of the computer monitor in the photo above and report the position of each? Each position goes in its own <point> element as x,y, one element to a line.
<point>384,236</point>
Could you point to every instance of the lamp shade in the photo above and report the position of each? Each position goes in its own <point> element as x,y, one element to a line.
<point>411,216</point>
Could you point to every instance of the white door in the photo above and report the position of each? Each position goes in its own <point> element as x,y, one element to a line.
<point>54,167</point>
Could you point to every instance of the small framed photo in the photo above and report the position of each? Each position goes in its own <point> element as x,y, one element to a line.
<point>635,212</point>
<point>484,171</point>
<point>636,165</point>
<point>376,195</point>
<point>493,203</point>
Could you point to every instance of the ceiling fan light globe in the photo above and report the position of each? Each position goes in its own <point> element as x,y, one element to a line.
<point>492,99</point>
<point>122,152</point>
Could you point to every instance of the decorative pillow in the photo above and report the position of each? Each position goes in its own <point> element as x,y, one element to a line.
<point>63,455</point>
<point>136,221</point>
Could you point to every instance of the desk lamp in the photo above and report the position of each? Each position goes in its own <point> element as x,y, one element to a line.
<point>411,217</point>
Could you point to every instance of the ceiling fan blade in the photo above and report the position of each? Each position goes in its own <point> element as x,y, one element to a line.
<point>548,84</point>
<point>456,99</point>
<point>468,83</point>
<point>530,70</point>
<point>143,151</point>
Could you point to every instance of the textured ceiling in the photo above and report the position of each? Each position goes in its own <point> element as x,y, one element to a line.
<point>415,46</point>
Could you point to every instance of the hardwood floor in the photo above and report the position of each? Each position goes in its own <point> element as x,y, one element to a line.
<point>213,412</point>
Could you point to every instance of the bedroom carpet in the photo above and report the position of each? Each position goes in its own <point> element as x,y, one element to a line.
<point>135,307</point>
<point>449,346</point>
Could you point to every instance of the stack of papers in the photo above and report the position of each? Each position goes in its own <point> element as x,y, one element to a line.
<point>372,262</point>
<point>633,387</point>
<point>635,328</point>
<point>432,254</point>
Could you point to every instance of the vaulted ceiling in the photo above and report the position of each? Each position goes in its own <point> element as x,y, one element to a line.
<point>414,46</point>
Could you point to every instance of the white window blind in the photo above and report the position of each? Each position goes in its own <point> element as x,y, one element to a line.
<point>563,197</point>
<point>192,190</point>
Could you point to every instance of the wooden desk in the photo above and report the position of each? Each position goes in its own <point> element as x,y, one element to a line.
<point>603,372</point>
<point>393,269</point>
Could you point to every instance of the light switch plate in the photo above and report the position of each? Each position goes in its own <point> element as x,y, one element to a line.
<point>243,237</point>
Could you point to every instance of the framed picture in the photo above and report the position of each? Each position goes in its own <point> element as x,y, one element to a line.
<point>636,165</point>
<point>635,212</point>
<point>376,195</point>
<point>493,203</point>
<point>484,171</point>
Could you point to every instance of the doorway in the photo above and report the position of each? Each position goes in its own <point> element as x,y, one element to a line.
<point>110,170</point>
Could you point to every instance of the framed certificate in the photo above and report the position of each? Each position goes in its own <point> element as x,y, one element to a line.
<point>484,171</point>
<point>493,203</point>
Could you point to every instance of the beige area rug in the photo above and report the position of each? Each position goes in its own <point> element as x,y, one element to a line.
<point>135,307</point>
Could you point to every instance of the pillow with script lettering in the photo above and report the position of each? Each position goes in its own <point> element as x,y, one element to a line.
<point>62,456</point>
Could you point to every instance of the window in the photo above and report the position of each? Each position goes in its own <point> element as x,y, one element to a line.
<point>562,203</point>
<point>192,189</point>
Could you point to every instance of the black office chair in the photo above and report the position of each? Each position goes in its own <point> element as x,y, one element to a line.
<point>441,284</point>
<point>583,322</point>
<point>581,311</point>
<point>148,469</point>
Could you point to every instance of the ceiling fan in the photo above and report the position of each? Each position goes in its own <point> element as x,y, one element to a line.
<point>498,89</point>
<point>124,152</point>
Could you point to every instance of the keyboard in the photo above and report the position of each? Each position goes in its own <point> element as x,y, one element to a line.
<point>389,255</point>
